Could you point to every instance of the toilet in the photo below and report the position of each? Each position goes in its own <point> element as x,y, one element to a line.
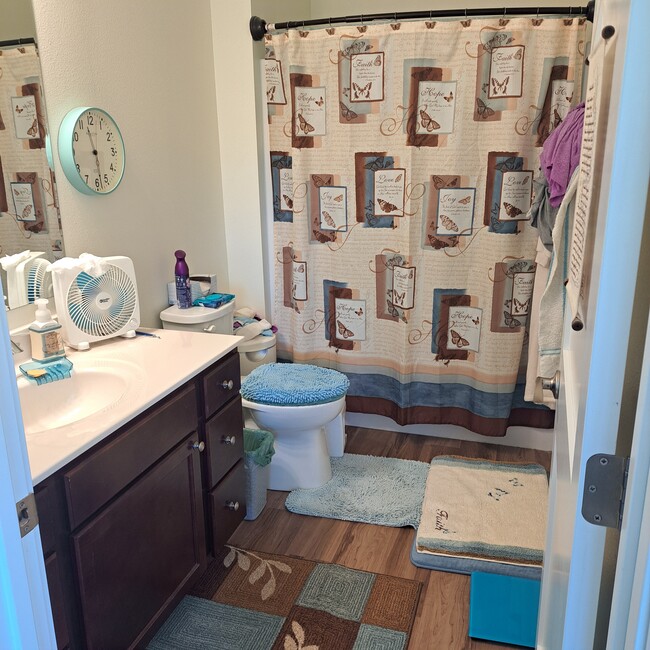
<point>306,434</point>
<point>304,407</point>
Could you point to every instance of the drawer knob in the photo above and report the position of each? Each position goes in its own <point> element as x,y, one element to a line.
<point>198,445</point>
<point>228,440</point>
<point>228,384</point>
<point>232,505</point>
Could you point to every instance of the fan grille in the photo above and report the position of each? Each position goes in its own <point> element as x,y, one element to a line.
<point>39,284</point>
<point>102,305</point>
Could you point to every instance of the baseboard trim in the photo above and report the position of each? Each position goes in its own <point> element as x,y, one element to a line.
<point>526,437</point>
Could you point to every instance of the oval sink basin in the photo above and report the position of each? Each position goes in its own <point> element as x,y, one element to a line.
<point>90,390</point>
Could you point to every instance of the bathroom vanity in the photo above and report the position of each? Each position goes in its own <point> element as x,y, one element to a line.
<point>155,486</point>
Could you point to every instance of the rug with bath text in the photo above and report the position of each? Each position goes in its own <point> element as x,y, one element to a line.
<point>482,509</point>
<point>249,600</point>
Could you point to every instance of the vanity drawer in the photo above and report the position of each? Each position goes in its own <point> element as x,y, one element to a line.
<point>225,519</point>
<point>96,480</point>
<point>221,384</point>
<point>225,440</point>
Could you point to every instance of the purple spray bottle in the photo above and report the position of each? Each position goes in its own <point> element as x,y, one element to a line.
<point>182,278</point>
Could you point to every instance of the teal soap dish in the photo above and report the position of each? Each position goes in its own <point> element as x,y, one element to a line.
<point>45,372</point>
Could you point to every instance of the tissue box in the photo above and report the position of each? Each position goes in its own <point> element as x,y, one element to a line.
<point>201,286</point>
<point>208,282</point>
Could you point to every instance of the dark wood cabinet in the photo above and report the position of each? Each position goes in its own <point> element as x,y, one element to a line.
<point>135,557</point>
<point>129,525</point>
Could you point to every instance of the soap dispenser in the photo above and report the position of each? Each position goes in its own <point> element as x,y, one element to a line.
<point>45,334</point>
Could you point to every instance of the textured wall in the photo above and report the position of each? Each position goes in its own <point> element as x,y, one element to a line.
<point>150,65</point>
<point>16,19</point>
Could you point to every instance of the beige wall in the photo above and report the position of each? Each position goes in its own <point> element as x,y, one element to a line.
<point>323,8</point>
<point>16,19</point>
<point>150,65</point>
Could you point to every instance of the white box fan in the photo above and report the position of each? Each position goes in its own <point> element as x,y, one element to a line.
<point>93,307</point>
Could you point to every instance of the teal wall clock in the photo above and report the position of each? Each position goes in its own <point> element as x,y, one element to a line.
<point>91,150</point>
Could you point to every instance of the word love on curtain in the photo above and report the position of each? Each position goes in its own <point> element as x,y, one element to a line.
<point>402,160</point>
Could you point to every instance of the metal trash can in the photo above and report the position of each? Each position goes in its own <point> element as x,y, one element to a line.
<point>258,451</point>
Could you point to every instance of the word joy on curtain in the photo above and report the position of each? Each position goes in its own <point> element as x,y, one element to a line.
<point>402,160</point>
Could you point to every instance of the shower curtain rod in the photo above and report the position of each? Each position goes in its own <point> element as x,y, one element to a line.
<point>259,27</point>
<point>18,41</point>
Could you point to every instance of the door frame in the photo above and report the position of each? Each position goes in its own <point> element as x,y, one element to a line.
<point>25,612</point>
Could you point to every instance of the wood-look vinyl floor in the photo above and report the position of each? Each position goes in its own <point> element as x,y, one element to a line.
<point>443,612</point>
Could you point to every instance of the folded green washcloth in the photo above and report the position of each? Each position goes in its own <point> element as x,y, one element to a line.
<point>45,372</point>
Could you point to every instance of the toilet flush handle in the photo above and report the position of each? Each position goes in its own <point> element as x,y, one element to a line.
<point>227,384</point>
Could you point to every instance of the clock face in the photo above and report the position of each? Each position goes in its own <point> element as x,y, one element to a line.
<point>92,151</point>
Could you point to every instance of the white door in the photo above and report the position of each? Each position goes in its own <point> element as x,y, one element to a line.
<point>25,614</point>
<point>579,566</point>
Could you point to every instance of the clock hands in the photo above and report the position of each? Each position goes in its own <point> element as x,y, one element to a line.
<point>96,154</point>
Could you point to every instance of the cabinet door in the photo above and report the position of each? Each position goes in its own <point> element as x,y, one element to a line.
<point>53,571</point>
<point>134,559</point>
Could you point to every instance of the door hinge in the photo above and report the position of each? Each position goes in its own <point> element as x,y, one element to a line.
<point>604,493</point>
<point>27,515</point>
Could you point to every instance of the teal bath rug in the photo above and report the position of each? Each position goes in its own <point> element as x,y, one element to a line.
<point>367,489</point>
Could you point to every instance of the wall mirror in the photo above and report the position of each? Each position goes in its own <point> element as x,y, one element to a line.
<point>30,224</point>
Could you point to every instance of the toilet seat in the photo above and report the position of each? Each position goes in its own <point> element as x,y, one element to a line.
<point>289,384</point>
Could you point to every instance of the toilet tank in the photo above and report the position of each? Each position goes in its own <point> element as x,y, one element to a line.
<point>256,352</point>
<point>199,319</point>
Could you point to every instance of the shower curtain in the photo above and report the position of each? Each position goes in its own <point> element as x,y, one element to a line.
<point>29,215</point>
<point>402,159</point>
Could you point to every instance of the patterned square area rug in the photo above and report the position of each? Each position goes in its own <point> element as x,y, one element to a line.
<point>248,600</point>
<point>484,509</point>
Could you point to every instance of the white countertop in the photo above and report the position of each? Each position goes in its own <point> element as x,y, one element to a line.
<point>160,364</point>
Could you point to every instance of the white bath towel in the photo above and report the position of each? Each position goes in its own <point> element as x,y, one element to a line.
<point>533,390</point>
<point>85,262</point>
<point>552,305</point>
